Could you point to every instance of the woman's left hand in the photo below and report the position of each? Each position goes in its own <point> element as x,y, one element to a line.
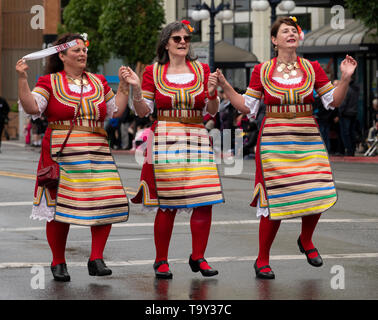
<point>212,83</point>
<point>347,67</point>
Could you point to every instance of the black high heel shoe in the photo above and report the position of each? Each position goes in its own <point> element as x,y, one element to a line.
<point>195,266</point>
<point>98,267</point>
<point>317,261</point>
<point>263,275</point>
<point>162,275</point>
<point>60,272</point>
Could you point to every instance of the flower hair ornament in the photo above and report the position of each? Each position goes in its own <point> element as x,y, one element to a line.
<point>85,37</point>
<point>187,23</point>
<point>301,34</point>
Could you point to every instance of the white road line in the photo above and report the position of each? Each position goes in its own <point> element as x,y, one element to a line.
<point>110,240</point>
<point>12,265</point>
<point>14,204</point>
<point>214,223</point>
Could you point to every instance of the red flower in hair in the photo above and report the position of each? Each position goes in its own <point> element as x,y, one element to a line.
<point>188,25</point>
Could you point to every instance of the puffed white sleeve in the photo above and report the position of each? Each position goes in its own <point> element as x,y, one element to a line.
<point>253,104</point>
<point>327,100</point>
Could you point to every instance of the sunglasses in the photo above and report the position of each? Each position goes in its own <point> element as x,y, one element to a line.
<point>177,39</point>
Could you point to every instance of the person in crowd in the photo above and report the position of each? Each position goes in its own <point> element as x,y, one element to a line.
<point>348,118</point>
<point>4,110</point>
<point>179,173</point>
<point>293,174</point>
<point>90,192</point>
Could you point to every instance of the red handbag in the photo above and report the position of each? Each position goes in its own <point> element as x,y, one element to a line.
<point>49,176</point>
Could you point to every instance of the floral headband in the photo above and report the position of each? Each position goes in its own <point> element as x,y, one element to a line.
<point>301,34</point>
<point>187,23</point>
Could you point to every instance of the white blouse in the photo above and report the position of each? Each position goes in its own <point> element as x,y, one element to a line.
<point>181,78</point>
<point>253,104</point>
<point>42,103</point>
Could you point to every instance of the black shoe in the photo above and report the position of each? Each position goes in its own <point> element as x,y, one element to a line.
<point>317,261</point>
<point>162,275</point>
<point>195,266</point>
<point>98,267</point>
<point>264,275</point>
<point>60,272</point>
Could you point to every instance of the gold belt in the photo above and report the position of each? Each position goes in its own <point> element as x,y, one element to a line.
<point>78,128</point>
<point>288,115</point>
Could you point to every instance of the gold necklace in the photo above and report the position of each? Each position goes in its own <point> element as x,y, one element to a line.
<point>77,81</point>
<point>288,69</point>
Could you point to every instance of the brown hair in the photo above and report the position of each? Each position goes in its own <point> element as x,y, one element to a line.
<point>54,63</point>
<point>162,56</point>
<point>283,20</point>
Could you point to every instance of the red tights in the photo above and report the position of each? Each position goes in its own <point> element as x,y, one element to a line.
<point>57,233</point>
<point>267,233</point>
<point>200,223</point>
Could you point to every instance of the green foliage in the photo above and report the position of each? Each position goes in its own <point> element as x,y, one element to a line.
<point>82,16</point>
<point>366,11</point>
<point>130,29</point>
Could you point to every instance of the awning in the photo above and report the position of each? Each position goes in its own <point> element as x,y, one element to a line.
<point>225,55</point>
<point>355,37</point>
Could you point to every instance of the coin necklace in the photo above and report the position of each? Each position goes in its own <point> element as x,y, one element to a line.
<point>77,81</point>
<point>288,69</point>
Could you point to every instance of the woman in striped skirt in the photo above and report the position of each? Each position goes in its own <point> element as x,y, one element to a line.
<point>293,173</point>
<point>90,192</point>
<point>179,173</point>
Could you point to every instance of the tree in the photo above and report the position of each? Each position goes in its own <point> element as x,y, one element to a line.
<point>130,29</point>
<point>366,11</point>
<point>82,16</point>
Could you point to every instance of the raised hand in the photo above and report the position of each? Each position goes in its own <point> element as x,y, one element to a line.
<point>212,83</point>
<point>21,68</point>
<point>348,66</point>
<point>221,78</point>
<point>131,77</point>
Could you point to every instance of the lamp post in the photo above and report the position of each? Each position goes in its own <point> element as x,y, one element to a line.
<point>203,12</point>
<point>262,5</point>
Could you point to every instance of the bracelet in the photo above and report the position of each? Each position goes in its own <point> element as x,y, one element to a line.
<point>213,97</point>
<point>140,99</point>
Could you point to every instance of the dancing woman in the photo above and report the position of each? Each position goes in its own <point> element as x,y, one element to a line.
<point>90,191</point>
<point>179,173</point>
<point>293,173</point>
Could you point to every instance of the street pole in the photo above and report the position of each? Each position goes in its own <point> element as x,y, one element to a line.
<point>213,11</point>
<point>273,17</point>
<point>212,37</point>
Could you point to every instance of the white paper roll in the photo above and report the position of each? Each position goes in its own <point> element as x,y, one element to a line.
<point>49,51</point>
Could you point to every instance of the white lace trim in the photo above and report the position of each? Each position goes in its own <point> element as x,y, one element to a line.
<point>327,99</point>
<point>288,81</point>
<point>180,78</point>
<point>111,108</point>
<point>43,211</point>
<point>150,210</point>
<point>42,103</point>
<point>77,89</point>
<point>261,211</point>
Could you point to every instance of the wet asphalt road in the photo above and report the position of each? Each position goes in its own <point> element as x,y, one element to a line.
<point>346,237</point>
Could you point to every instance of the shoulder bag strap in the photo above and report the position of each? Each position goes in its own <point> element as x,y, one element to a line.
<point>59,153</point>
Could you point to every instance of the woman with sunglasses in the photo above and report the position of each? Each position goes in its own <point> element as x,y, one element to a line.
<point>90,192</point>
<point>293,174</point>
<point>179,172</point>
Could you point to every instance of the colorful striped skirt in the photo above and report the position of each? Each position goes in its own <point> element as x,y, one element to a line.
<point>180,169</point>
<point>293,172</point>
<point>90,190</point>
